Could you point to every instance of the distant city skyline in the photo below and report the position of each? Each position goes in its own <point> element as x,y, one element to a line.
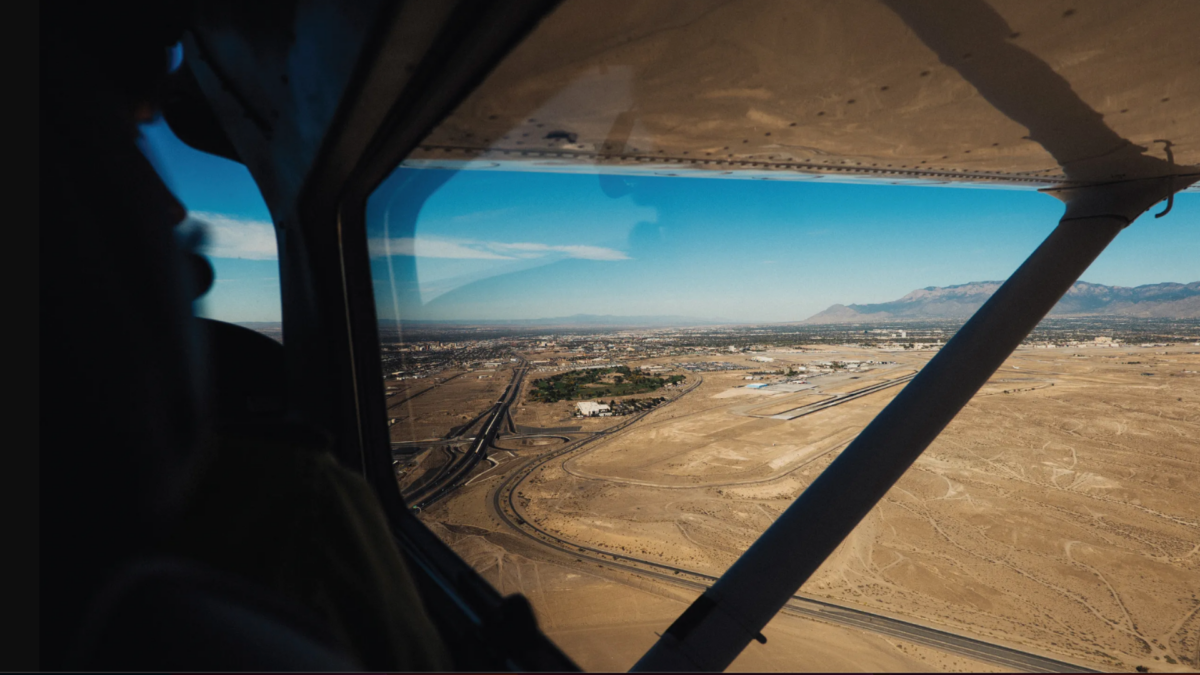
<point>497,245</point>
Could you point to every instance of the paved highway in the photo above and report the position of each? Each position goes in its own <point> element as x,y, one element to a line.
<point>506,508</point>
<point>451,478</point>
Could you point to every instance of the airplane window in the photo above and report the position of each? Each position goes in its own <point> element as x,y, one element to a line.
<point>630,305</point>
<point>227,214</point>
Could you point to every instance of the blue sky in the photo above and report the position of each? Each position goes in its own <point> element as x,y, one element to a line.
<point>223,196</point>
<point>494,244</point>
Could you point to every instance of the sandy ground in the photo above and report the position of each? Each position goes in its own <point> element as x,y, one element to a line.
<point>431,407</point>
<point>606,621</point>
<point>1061,515</point>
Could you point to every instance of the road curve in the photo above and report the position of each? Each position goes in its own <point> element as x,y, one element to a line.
<point>505,506</point>
<point>452,478</point>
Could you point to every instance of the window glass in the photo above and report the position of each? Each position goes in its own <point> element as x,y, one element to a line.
<point>237,237</point>
<point>631,304</point>
<point>670,399</point>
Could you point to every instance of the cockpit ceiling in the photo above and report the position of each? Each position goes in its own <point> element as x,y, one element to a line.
<point>1030,93</point>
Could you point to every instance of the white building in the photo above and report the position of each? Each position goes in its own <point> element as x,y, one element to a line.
<point>593,409</point>
<point>762,359</point>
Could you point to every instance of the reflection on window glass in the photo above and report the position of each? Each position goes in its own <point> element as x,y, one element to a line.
<point>237,234</point>
<point>654,367</point>
<point>632,302</point>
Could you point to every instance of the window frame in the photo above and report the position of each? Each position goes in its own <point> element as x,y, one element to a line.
<point>482,629</point>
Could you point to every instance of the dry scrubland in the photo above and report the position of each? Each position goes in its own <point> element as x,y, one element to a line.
<point>430,407</point>
<point>1061,517</point>
<point>606,620</point>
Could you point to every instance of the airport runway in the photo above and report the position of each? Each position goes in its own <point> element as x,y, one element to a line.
<point>838,399</point>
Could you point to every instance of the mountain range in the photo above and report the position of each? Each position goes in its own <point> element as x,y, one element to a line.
<point>1158,301</point>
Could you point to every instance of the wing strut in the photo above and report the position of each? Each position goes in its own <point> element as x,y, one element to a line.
<point>723,621</point>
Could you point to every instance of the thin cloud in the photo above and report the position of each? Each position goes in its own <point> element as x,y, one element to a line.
<point>232,237</point>
<point>429,248</point>
<point>578,251</point>
<point>468,249</point>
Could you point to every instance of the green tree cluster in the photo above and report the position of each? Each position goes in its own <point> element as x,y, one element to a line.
<point>589,383</point>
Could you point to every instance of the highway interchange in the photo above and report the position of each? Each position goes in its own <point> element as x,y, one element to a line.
<point>455,472</point>
<point>505,505</point>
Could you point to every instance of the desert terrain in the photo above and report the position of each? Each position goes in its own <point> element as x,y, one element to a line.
<point>1056,515</point>
<point>432,407</point>
<point>430,419</point>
